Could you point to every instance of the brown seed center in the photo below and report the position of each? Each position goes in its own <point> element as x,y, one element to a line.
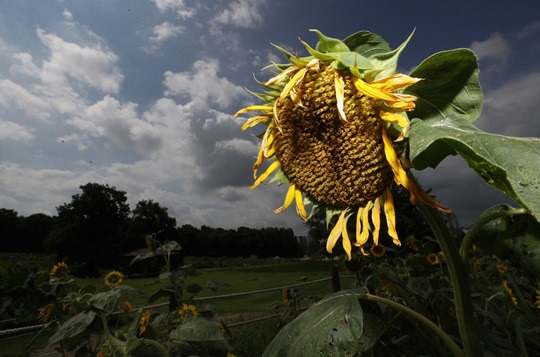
<point>335,162</point>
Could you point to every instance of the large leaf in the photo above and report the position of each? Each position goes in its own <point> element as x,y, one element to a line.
<point>367,43</point>
<point>516,238</point>
<point>199,331</point>
<point>509,164</point>
<point>331,327</point>
<point>73,326</point>
<point>450,86</point>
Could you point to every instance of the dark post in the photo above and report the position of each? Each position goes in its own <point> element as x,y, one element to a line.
<point>336,286</point>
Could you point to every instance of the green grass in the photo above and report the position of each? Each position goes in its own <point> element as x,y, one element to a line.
<point>241,279</point>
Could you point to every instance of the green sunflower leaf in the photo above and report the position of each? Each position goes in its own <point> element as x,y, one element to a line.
<point>507,163</point>
<point>516,238</point>
<point>329,44</point>
<point>332,327</point>
<point>367,44</point>
<point>385,63</point>
<point>450,86</point>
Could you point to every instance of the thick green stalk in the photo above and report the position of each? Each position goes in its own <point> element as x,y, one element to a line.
<point>156,345</point>
<point>452,346</point>
<point>471,233</point>
<point>460,281</point>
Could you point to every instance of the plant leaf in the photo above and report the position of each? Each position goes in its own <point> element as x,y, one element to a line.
<point>331,327</point>
<point>329,44</point>
<point>385,63</point>
<point>450,86</point>
<point>507,163</point>
<point>73,326</point>
<point>516,238</point>
<point>367,43</point>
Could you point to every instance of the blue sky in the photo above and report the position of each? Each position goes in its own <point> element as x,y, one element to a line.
<point>140,95</point>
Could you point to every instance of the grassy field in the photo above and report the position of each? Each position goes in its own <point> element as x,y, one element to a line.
<point>241,279</point>
<point>242,275</point>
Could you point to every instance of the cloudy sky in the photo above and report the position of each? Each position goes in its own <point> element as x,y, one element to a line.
<point>140,95</point>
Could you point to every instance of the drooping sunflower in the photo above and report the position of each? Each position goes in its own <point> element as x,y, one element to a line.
<point>188,308</point>
<point>335,128</point>
<point>113,278</point>
<point>144,322</point>
<point>59,272</point>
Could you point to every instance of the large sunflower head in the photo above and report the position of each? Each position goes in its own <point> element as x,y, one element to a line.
<point>335,124</point>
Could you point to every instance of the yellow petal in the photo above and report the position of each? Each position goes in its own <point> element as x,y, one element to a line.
<point>364,236</point>
<point>358,223</point>
<point>335,233</point>
<point>267,173</point>
<point>340,95</point>
<point>345,239</point>
<point>314,65</point>
<point>391,117</point>
<point>390,214</point>
<point>370,91</point>
<point>298,76</point>
<point>376,219</point>
<point>262,108</point>
<point>251,122</point>
<point>300,209</point>
<point>281,76</point>
<point>288,199</point>
<point>258,162</point>
<point>394,82</point>
<point>267,141</point>
<point>401,178</point>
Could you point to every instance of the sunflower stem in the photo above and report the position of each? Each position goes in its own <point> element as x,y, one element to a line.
<point>459,279</point>
<point>467,242</point>
<point>452,346</point>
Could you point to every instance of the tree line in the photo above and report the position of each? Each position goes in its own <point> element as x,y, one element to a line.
<point>98,226</point>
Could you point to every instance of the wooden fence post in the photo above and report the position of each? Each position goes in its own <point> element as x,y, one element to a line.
<point>336,286</point>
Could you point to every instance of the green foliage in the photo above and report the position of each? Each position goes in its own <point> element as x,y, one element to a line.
<point>509,164</point>
<point>450,86</point>
<point>515,238</point>
<point>331,327</point>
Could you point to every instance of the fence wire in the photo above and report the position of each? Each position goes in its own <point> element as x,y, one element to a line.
<point>21,330</point>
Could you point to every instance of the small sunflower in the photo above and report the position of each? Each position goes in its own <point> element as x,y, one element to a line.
<point>509,291</point>
<point>45,313</point>
<point>537,303</point>
<point>433,258</point>
<point>502,268</point>
<point>113,278</point>
<point>285,295</point>
<point>59,272</point>
<point>335,126</point>
<point>144,322</point>
<point>127,306</point>
<point>377,250</point>
<point>188,308</point>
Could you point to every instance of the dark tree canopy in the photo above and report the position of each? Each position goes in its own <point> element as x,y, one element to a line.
<point>87,229</point>
<point>150,217</point>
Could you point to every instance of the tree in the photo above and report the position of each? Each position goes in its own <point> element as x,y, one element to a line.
<point>33,232</point>
<point>149,217</point>
<point>87,230</point>
<point>9,229</point>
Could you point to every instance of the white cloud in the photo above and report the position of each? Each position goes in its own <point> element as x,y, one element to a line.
<point>92,66</point>
<point>15,132</point>
<point>203,85</point>
<point>119,123</point>
<point>181,9</point>
<point>12,94</point>
<point>237,145</point>
<point>512,108</point>
<point>166,30</point>
<point>241,13</point>
<point>496,50</point>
